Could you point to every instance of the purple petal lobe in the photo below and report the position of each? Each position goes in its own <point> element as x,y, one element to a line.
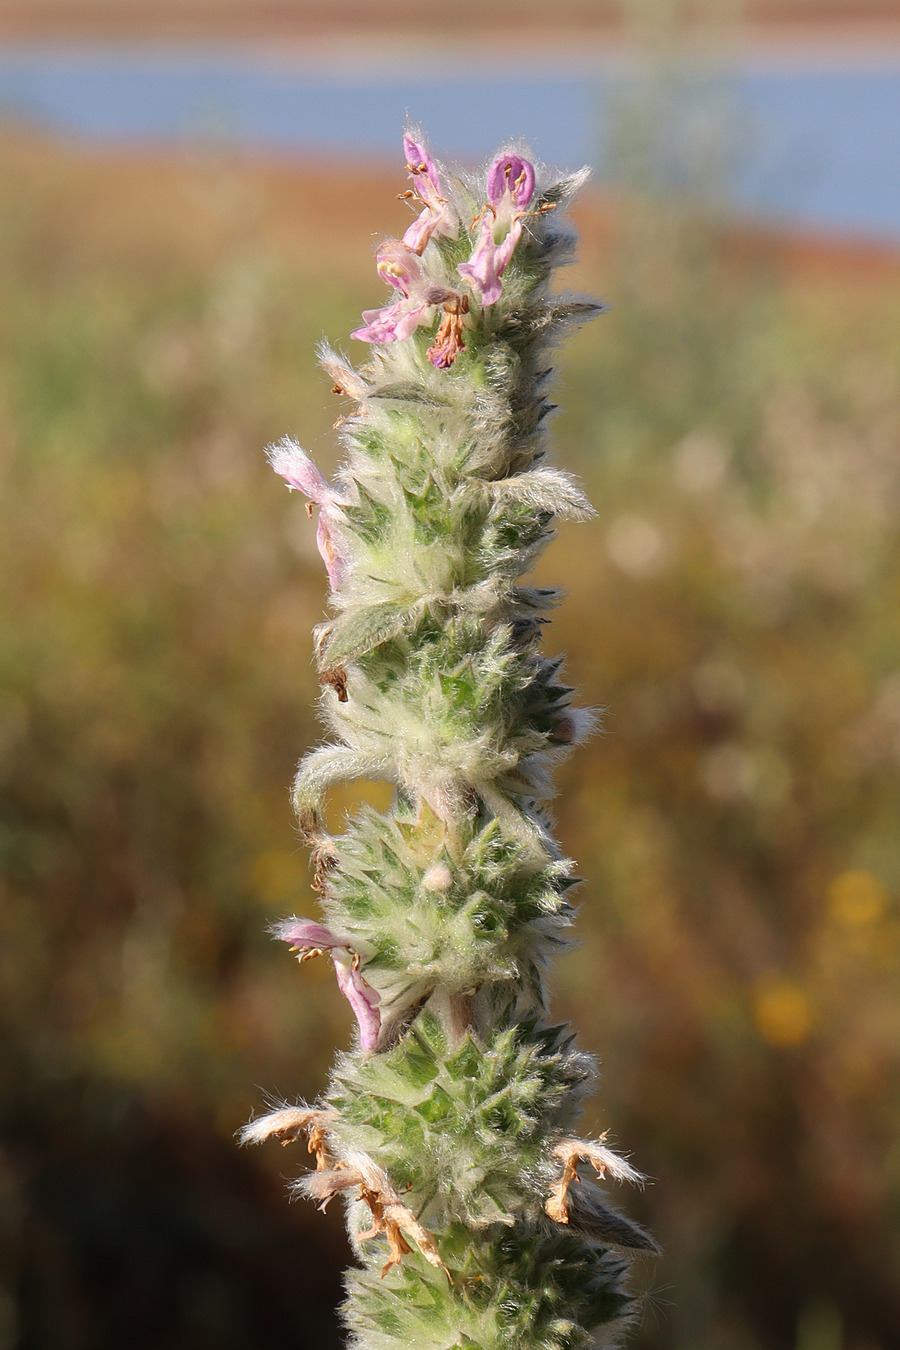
<point>418,160</point>
<point>399,266</point>
<point>335,564</point>
<point>417,235</point>
<point>393,323</point>
<point>308,935</point>
<point>510,187</point>
<point>363,999</point>
<point>439,215</point>
<point>512,174</point>
<point>298,471</point>
<point>489,261</point>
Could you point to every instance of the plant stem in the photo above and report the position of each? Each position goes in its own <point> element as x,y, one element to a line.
<point>448,1129</point>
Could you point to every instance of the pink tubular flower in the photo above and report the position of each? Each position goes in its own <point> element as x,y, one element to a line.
<point>400,267</point>
<point>512,177</point>
<point>438,217</point>
<point>510,188</point>
<point>299,472</point>
<point>312,939</point>
<point>361,996</point>
<point>308,937</point>
<point>392,323</point>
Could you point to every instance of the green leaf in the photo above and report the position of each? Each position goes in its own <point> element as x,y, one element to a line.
<point>357,631</point>
<point>466,1063</point>
<point>413,1062</point>
<point>369,517</point>
<point>406,393</point>
<point>438,1107</point>
<point>430,1034</point>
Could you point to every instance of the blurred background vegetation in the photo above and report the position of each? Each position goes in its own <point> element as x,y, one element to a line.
<point>735,608</point>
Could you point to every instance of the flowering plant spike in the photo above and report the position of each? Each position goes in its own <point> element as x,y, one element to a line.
<point>475,1210</point>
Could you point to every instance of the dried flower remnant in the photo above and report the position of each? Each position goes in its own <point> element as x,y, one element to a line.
<point>570,1152</point>
<point>448,342</point>
<point>447,1126</point>
<point>389,1216</point>
<point>394,1220</point>
<point>288,1123</point>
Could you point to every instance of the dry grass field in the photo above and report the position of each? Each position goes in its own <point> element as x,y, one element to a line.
<point>832,22</point>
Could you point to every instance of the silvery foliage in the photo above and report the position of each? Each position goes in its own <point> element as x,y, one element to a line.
<point>448,1129</point>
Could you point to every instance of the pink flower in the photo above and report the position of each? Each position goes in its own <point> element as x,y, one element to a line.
<point>510,188</point>
<point>361,996</point>
<point>400,267</point>
<point>392,323</point>
<point>438,216</point>
<point>308,937</point>
<point>299,472</point>
<point>312,939</point>
<point>511,178</point>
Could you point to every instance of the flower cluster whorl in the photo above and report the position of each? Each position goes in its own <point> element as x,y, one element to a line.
<point>509,189</point>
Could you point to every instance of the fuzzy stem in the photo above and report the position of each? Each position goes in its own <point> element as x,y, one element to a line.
<point>448,1129</point>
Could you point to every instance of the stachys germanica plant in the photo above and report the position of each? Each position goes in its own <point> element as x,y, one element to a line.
<point>449,1129</point>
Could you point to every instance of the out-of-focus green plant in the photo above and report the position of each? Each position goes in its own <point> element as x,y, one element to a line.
<point>745,802</point>
<point>139,586</point>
